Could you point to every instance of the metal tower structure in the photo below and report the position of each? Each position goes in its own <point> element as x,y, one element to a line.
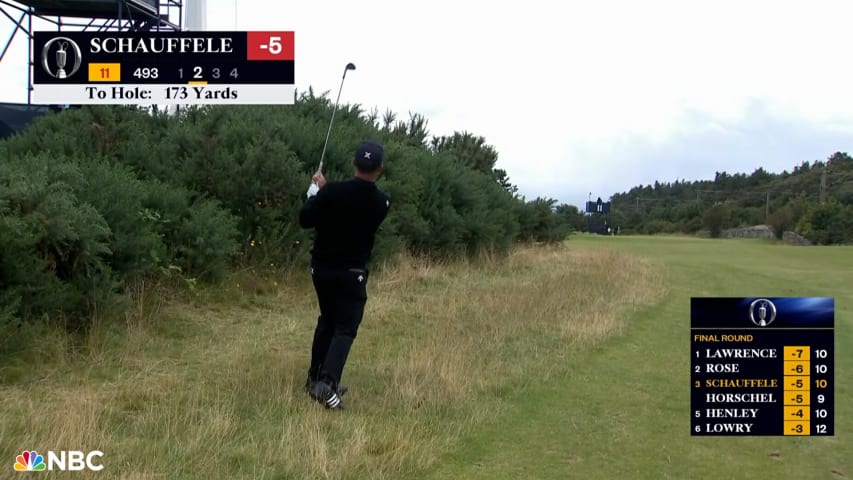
<point>88,15</point>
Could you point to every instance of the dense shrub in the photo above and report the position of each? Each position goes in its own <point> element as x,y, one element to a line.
<point>72,232</point>
<point>539,223</point>
<point>690,225</point>
<point>54,249</point>
<point>827,223</point>
<point>781,220</point>
<point>659,226</point>
<point>93,197</point>
<point>115,192</point>
<point>199,235</point>
<point>714,220</point>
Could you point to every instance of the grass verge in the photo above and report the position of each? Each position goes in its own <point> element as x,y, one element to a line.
<point>210,387</point>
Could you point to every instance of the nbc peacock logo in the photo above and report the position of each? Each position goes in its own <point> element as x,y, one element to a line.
<point>29,462</point>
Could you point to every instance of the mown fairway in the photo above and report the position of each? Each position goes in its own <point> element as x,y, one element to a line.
<point>568,362</point>
<point>622,410</point>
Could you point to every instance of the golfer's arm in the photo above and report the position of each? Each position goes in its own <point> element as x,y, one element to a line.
<point>313,209</point>
<point>309,212</point>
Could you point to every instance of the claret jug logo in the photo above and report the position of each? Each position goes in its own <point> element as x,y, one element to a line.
<point>762,312</point>
<point>29,462</point>
<point>72,460</point>
<point>65,47</point>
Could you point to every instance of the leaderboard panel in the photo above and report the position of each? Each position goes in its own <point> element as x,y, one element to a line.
<point>103,68</point>
<point>762,366</point>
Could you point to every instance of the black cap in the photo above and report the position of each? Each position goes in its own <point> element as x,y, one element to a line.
<point>368,156</point>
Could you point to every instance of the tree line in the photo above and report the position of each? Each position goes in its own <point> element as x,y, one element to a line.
<point>93,199</point>
<point>813,199</point>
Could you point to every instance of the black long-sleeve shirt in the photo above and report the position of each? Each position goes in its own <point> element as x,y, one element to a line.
<point>345,216</point>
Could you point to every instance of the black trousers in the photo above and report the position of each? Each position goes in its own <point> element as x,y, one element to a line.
<point>342,294</point>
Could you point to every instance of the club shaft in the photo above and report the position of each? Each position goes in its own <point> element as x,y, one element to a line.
<point>329,131</point>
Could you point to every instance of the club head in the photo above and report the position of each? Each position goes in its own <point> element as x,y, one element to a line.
<point>350,66</point>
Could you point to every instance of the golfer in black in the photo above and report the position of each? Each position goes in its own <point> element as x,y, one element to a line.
<point>345,216</point>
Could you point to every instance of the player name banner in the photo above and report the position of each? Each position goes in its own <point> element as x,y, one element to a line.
<point>762,366</point>
<point>144,68</point>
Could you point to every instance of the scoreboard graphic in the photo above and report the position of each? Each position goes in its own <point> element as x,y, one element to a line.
<point>762,366</point>
<point>145,68</point>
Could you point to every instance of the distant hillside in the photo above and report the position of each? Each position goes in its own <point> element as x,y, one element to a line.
<point>815,200</point>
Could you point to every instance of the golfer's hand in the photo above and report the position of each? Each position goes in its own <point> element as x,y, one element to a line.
<point>312,190</point>
<point>319,179</point>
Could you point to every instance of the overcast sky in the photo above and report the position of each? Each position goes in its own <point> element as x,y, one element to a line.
<point>579,96</point>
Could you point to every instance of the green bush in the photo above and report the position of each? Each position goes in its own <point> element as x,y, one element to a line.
<point>95,196</point>
<point>72,232</point>
<point>829,223</point>
<point>538,222</point>
<point>204,242</point>
<point>781,220</point>
<point>200,236</point>
<point>115,192</point>
<point>54,249</point>
<point>256,161</point>
<point>654,227</point>
<point>690,225</point>
<point>714,218</point>
<point>9,320</point>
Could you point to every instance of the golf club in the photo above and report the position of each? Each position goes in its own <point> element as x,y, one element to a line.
<point>349,66</point>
